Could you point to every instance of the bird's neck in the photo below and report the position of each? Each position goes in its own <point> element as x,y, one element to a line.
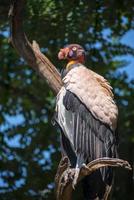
<point>70,63</point>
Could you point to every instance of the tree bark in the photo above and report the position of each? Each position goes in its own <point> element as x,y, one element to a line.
<point>31,52</point>
<point>39,62</point>
<point>65,174</point>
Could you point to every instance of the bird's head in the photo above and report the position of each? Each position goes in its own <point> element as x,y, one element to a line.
<point>72,52</point>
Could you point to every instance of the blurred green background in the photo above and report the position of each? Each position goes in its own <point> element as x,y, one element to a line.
<point>29,145</point>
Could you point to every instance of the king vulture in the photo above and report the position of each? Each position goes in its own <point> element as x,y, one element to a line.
<point>87,115</point>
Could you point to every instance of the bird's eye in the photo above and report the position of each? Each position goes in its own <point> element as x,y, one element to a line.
<point>74,48</point>
<point>70,54</point>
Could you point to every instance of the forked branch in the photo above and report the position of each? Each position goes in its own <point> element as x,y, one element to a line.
<point>65,174</point>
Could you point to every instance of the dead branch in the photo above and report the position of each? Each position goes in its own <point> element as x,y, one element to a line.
<point>31,52</point>
<point>39,62</point>
<point>64,178</point>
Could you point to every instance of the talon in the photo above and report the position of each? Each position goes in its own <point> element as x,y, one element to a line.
<point>84,168</point>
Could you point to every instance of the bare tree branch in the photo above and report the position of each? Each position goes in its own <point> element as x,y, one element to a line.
<point>31,52</point>
<point>65,174</point>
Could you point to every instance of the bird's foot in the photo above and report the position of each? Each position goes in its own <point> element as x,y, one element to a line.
<point>84,166</point>
<point>76,175</point>
<point>85,169</point>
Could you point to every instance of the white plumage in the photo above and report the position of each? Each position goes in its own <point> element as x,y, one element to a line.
<point>95,93</point>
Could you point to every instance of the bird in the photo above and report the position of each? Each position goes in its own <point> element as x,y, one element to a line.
<point>87,115</point>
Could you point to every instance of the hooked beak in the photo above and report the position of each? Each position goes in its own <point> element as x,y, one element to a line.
<point>63,53</point>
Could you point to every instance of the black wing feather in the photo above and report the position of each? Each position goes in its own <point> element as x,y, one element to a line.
<point>91,137</point>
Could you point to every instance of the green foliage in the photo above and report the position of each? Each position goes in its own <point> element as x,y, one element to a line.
<point>28,165</point>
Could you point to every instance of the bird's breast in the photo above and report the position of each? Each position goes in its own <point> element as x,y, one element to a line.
<point>94,92</point>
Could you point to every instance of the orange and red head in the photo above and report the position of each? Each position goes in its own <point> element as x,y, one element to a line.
<point>72,52</point>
